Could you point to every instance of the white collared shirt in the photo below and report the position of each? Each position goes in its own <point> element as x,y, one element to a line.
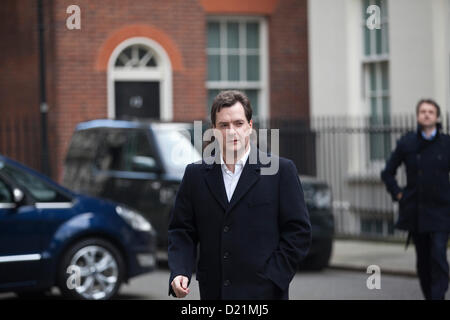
<point>432,135</point>
<point>230,179</point>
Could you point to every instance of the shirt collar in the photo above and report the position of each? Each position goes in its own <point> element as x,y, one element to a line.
<point>433,134</point>
<point>241,162</point>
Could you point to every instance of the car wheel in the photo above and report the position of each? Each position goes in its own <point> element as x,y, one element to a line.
<point>91,269</point>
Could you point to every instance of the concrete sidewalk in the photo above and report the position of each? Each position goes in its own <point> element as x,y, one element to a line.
<point>390,257</point>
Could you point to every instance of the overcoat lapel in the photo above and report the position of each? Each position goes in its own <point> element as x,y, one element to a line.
<point>214,180</point>
<point>248,178</point>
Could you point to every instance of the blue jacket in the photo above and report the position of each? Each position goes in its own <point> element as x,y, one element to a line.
<point>249,248</point>
<point>425,205</point>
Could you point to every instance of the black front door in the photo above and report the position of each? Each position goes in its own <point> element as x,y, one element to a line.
<point>137,99</point>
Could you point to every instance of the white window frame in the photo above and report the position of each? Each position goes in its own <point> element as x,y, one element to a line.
<point>161,73</point>
<point>375,165</point>
<point>363,167</point>
<point>376,59</point>
<point>263,84</point>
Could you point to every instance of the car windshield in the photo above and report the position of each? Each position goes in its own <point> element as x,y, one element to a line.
<point>41,191</point>
<point>176,148</point>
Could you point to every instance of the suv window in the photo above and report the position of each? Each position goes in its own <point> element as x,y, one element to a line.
<point>40,190</point>
<point>5,193</point>
<point>111,150</point>
<point>84,145</point>
<point>138,154</point>
<point>127,151</point>
<point>177,150</point>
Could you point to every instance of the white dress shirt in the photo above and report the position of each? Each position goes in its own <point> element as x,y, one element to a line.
<point>231,179</point>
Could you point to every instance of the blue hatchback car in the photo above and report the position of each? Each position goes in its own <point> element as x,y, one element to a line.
<point>51,236</point>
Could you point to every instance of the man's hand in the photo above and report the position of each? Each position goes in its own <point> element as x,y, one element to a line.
<point>399,196</point>
<point>180,286</point>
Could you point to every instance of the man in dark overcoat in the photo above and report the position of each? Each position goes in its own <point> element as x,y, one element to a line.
<point>424,204</point>
<point>252,229</point>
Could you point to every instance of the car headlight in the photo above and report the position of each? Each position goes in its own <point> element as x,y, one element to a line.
<point>134,219</point>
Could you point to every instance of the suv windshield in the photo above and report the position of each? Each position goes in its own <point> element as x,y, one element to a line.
<point>176,148</point>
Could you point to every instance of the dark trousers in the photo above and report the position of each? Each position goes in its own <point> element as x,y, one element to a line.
<point>432,264</point>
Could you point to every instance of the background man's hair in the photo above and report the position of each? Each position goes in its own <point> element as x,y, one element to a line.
<point>429,101</point>
<point>227,99</point>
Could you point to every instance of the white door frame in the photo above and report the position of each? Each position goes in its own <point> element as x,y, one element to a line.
<point>162,73</point>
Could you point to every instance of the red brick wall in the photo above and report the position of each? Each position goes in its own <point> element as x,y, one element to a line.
<point>18,62</point>
<point>288,51</point>
<point>19,87</point>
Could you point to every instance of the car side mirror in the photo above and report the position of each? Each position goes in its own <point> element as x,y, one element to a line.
<point>18,196</point>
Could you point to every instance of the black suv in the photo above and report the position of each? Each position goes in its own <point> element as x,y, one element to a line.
<point>141,164</point>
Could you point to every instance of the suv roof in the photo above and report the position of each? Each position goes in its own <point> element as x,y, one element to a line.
<point>141,124</point>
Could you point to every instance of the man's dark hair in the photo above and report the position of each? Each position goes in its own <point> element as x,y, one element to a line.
<point>227,99</point>
<point>429,101</point>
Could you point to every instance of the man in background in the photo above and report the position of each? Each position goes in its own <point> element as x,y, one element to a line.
<point>425,201</point>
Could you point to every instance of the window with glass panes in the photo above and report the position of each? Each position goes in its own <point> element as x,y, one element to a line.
<point>376,80</point>
<point>234,54</point>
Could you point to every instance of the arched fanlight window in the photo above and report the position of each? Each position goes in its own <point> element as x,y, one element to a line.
<point>136,56</point>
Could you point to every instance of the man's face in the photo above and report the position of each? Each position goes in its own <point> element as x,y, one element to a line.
<point>234,128</point>
<point>427,115</point>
